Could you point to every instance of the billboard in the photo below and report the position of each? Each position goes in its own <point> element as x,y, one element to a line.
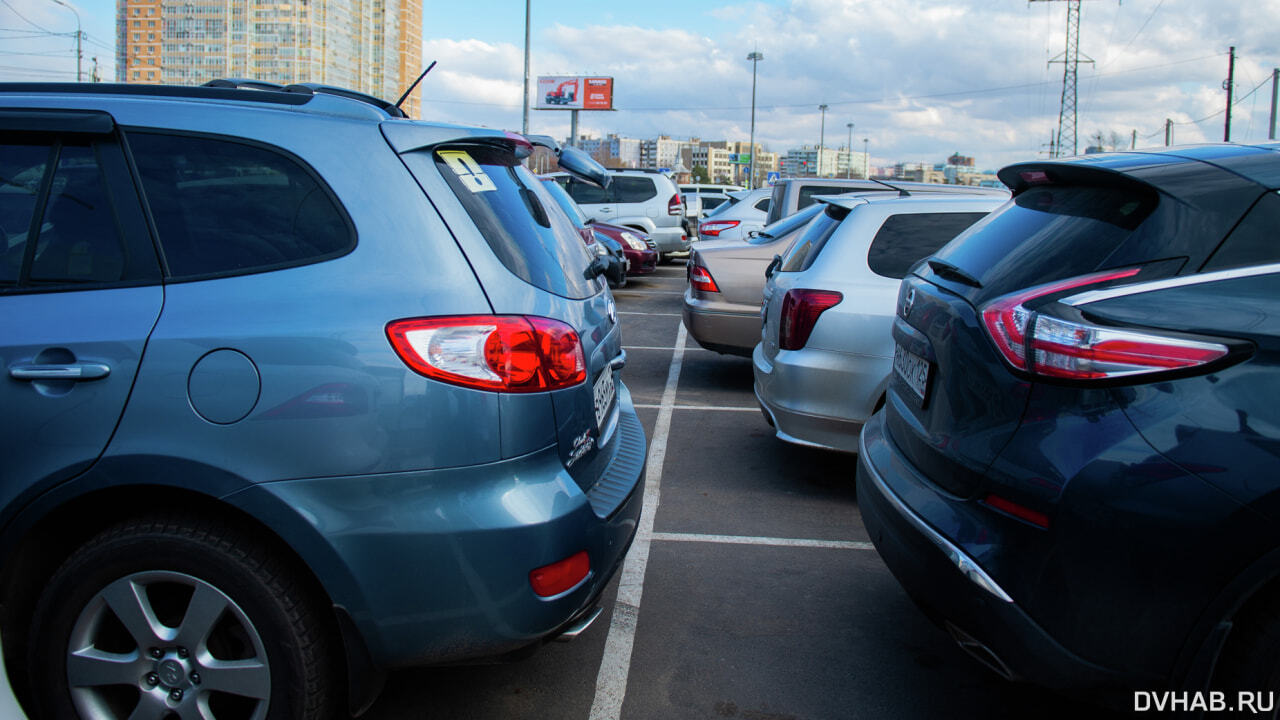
<point>574,92</point>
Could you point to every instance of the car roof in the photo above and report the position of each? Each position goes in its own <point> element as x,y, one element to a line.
<point>923,203</point>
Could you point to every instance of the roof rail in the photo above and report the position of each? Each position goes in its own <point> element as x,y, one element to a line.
<point>243,84</point>
<point>319,89</point>
<point>211,93</point>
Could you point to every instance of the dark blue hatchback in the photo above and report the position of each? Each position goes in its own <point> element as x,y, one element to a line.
<point>1077,470</point>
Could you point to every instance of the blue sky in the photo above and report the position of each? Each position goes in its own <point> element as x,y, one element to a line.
<point>920,79</point>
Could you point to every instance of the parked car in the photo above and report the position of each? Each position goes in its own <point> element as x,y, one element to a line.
<point>707,196</point>
<point>617,264</point>
<point>825,352</point>
<point>645,200</point>
<point>726,282</point>
<point>298,390</point>
<point>793,194</point>
<point>640,251</point>
<point>1075,472</point>
<point>745,212</point>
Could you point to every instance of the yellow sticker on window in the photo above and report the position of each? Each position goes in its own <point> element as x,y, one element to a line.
<point>467,170</point>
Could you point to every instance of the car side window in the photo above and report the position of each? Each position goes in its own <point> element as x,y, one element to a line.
<point>225,207</point>
<point>905,239</point>
<point>585,193</point>
<point>59,219</point>
<point>806,196</point>
<point>1255,241</point>
<point>763,205</point>
<point>630,189</point>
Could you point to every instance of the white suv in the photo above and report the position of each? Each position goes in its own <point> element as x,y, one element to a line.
<point>642,199</point>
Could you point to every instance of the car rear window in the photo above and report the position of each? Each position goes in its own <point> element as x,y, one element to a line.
<point>1254,240</point>
<point>807,247</point>
<point>713,201</point>
<point>806,196</point>
<point>785,226</point>
<point>1047,233</point>
<point>631,189</point>
<point>228,207</point>
<point>510,208</point>
<point>905,239</point>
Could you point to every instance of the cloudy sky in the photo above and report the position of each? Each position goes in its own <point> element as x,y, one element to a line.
<point>920,79</point>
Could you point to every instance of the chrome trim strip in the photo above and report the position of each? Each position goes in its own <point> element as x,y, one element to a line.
<point>579,627</point>
<point>1093,296</point>
<point>963,562</point>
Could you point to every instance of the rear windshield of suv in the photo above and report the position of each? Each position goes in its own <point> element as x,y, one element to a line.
<point>905,239</point>
<point>511,209</point>
<point>1047,233</point>
<point>806,248</point>
<point>785,226</point>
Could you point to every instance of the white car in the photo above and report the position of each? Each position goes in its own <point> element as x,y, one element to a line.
<point>745,211</point>
<point>826,348</point>
<point>645,200</point>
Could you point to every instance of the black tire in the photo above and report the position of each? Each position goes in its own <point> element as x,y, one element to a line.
<point>218,593</point>
<point>1250,662</point>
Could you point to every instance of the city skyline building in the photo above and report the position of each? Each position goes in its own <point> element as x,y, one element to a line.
<point>372,46</point>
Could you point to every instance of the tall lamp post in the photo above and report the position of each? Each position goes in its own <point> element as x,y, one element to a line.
<point>822,137</point>
<point>755,58</point>
<point>524,129</point>
<point>866,161</point>
<point>79,54</point>
<point>848,166</point>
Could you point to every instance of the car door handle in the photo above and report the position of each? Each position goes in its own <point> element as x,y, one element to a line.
<point>74,371</point>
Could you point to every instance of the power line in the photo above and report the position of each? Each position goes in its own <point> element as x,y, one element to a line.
<point>24,17</point>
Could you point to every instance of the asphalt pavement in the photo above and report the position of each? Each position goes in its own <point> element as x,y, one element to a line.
<point>753,594</point>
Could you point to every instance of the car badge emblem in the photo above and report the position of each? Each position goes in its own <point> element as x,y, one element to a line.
<point>908,299</point>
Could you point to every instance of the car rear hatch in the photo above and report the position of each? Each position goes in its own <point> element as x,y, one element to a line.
<point>533,265</point>
<point>955,401</point>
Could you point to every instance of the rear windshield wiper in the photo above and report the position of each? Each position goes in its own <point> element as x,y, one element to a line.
<point>951,272</point>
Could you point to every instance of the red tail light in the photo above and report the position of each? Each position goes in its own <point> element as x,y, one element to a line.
<point>715,227</point>
<point>560,577</point>
<point>701,279</point>
<point>675,206</point>
<point>502,353</point>
<point>800,311</point>
<point>1080,350</point>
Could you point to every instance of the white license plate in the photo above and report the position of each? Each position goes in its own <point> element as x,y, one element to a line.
<point>913,369</point>
<point>604,392</point>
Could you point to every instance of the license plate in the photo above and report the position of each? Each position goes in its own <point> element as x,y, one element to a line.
<point>604,393</point>
<point>913,369</point>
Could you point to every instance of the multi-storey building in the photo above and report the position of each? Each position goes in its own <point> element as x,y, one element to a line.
<point>373,46</point>
<point>661,152</point>
<point>612,150</point>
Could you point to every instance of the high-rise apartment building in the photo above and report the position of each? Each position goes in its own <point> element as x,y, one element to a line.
<point>374,46</point>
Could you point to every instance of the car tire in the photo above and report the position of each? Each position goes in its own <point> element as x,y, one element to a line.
<point>165,615</point>
<point>1251,659</point>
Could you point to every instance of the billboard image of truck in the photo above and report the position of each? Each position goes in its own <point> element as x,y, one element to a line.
<point>574,92</point>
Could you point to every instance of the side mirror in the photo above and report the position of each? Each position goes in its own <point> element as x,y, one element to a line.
<point>599,266</point>
<point>581,165</point>
<point>753,233</point>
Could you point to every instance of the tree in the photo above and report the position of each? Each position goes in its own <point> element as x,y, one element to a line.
<point>700,174</point>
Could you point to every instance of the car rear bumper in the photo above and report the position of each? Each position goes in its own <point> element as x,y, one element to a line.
<point>433,566</point>
<point>719,330</point>
<point>948,583</point>
<point>670,239</point>
<point>819,398</point>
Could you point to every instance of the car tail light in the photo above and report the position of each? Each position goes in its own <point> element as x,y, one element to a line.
<point>700,278</point>
<point>502,353</point>
<point>1079,350</point>
<point>800,311</point>
<point>674,206</point>
<point>715,227</point>
<point>562,576</point>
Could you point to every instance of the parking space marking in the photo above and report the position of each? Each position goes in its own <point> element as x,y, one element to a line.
<point>619,291</point>
<point>772,542</point>
<point>703,407</point>
<point>611,682</point>
<point>655,347</point>
<point>651,314</point>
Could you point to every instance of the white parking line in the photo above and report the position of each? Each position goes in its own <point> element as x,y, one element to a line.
<point>773,542</point>
<point>621,291</point>
<point>655,347</point>
<point>702,407</point>
<point>611,682</point>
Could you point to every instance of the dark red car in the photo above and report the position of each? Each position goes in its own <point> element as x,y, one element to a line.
<point>641,252</point>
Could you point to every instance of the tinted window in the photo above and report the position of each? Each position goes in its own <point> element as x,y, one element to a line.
<point>77,237</point>
<point>775,206</point>
<point>905,239</point>
<point>710,202</point>
<point>587,194</point>
<point>630,189</point>
<point>1255,241</point>
<point>509,206</point>
<point>228,207</point>
<point>809,192</point>
<point>1045,234</point>
<point>806,248</point>
<point>565,202</point>
<point>763,205</point>
<point>786,225</point>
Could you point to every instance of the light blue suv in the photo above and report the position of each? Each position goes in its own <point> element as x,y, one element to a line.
<point>297,390</point>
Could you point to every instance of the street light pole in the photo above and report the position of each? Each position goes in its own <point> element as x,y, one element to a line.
<point>822,137</point>
<point>866,161</point>
<point>755,58</point>
<point>524,128</point>
<point>848,165</point>
<point>79,53</point>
